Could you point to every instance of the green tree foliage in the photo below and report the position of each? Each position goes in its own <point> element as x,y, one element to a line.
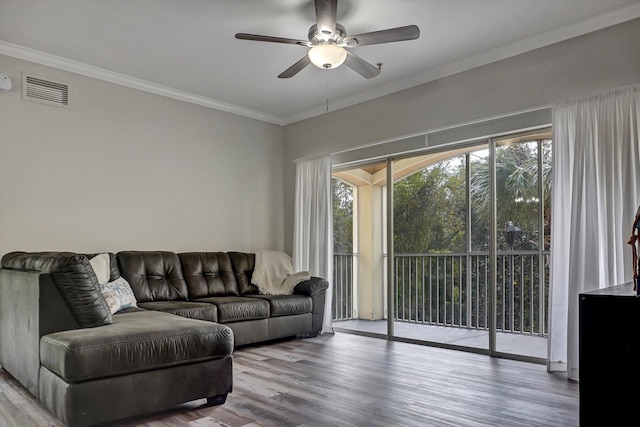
<point>430,209</point>
<point>342,217</point>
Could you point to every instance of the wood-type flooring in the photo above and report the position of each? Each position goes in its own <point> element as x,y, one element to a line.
<point>351,380</point>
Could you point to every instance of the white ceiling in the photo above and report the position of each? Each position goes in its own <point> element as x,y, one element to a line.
<point>186,48</point>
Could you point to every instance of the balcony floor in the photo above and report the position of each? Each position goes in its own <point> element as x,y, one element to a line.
<point>525,346</point>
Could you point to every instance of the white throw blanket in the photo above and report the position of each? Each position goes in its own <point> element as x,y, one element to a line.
<point>273,273</point>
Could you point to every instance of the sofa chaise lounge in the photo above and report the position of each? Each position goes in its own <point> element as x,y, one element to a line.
<point>87,365</point>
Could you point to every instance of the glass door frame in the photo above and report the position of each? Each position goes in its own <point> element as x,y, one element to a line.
<point>391,302</point>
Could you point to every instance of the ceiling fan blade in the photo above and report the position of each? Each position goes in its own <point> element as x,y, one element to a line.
<point>361,66</point>
<point>326,16</point>
<point>409,32</point>
<point>295,68</point>
<point>259,38</point>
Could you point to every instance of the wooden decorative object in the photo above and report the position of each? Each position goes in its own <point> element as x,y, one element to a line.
<point>634,242</point>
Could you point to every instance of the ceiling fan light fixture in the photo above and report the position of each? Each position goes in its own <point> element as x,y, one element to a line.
<point>329,46</point>
<point>327,55</point>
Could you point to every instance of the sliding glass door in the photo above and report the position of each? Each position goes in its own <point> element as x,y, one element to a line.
<point>460,257</point>
<point>522,213</point>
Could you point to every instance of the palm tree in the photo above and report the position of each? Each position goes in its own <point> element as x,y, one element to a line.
<point>516,189</point>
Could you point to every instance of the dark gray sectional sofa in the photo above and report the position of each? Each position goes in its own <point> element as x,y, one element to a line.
<point>87,366</point>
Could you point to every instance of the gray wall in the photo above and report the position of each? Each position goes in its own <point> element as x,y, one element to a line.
<point>125,169</point>
<point>577,67</point>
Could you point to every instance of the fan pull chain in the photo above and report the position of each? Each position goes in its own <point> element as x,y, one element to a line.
<point>327,95</point>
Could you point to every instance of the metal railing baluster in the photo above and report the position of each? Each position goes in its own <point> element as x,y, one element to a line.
<point>432,287</point>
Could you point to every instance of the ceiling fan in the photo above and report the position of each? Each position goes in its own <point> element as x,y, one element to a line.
<point>329,43</point>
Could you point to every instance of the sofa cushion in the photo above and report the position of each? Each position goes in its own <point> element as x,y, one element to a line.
<point>208,274</point>
<point>284,305</point>
<point>153,275</point>
<point>190,309</point>
<point>78,284</point>
<point>236,309</point>
<point>136,341</point>
<point>243,265</point>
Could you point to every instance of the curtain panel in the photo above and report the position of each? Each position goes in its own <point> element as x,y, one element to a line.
<point>312,234</point>
<point>596,192</point>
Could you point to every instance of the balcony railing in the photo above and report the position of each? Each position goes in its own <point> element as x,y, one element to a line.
<point>343,284</point>
<point>454,290</point>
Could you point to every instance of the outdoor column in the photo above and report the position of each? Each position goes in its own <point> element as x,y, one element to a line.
<point>370,253</point>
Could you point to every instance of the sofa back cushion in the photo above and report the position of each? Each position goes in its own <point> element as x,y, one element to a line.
<point>75,279</point>
<point>208,274</point>
<point>153,275</point>
<point>243,265</point>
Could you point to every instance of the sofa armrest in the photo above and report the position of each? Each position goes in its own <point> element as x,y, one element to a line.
<point>316,288</point>
<point>31,306</point>
<point>73,276</point>
<point>311,287</point>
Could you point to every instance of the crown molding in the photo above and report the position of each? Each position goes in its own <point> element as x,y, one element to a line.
<point>38,57</point>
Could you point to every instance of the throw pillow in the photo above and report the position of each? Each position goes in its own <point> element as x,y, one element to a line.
<point>118,295</point>
<point>101,265</point>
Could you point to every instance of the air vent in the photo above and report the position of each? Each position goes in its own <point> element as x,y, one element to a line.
<point>45,91</point>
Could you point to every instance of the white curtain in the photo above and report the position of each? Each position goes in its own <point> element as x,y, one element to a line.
<point>312,234</point>
<point>596,192</point>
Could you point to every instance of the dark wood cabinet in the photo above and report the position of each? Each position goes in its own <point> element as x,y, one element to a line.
<point>609,357</point>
